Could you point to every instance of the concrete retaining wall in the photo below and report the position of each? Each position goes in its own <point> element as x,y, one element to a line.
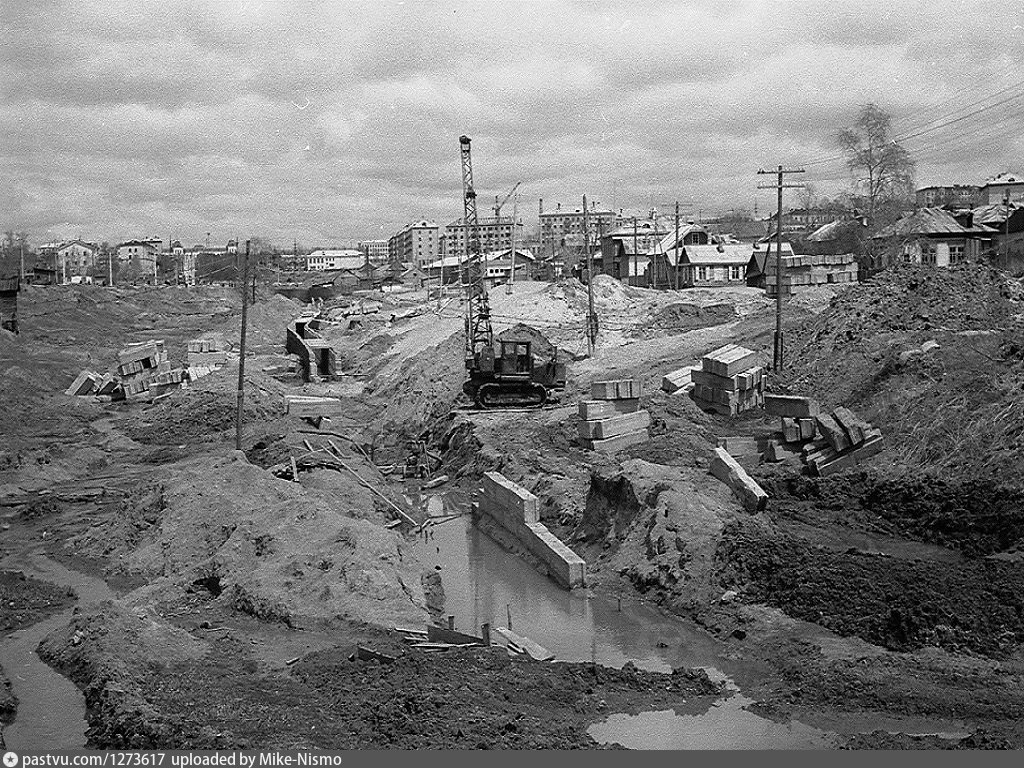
<point>516,509</point>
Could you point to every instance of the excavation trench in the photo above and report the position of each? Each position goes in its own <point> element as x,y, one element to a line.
<point>51,709</point>
<point>485,583</point>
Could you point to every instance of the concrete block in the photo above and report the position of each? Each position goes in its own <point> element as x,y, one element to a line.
<point>84,384</point>
<point>614,426</point>
<point>206,358</point>
<point>790,430</point>
<point>854,427</point>
<point>565,566</point>
<point>787,405</point>
<point>808,428</point>
<point>617,389</point>
<point>106,385</point>
<point>739,446</point>
<point>728,360</point>
<point>603,409</point>
<point>833,433</point>
<point>729,471</point>
<point>678,379</point>
<point>617,443</point>
<point>498,490</point>
<point>777,452</point>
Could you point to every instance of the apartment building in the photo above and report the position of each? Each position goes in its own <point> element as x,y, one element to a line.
<point>417,243</point>
<point>556,224</point>
<point>377,250</point>
<point>495,235</point>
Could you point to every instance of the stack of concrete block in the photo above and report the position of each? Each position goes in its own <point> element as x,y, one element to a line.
<point>517,511</point>
<point>612,419</point>
<point>804,272</point>
<point>208,352</point>
<point>730,472</point>
<point>846,440</point>
<point>729,381</point>
<point>680,380</point>
<point>797,425</point>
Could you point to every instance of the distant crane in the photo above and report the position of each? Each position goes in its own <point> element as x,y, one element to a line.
<point>498,206</point>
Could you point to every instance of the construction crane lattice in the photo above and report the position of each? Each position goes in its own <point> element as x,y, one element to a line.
<point>478,310</point>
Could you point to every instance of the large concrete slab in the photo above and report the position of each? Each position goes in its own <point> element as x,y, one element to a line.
<point>789,405</point>
<point>728,360</point>
<point>615,389</point>
<point>729,471</point>
<point>602,429</point>
<point>603,409</point>
<point>499,490</point>
<point>617,443</point>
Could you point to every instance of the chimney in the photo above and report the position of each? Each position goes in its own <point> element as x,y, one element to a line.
<point>540,206</point>
<point>558,206</point>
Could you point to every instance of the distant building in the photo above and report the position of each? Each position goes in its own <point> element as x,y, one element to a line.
<point>627,252</point>
<point>417,243</point>
<point>346,258</point>
<point>957,195</point>
<point>933,236</point>
<point>377,250</point>
<point>805,219</point>
<point>76,257</point>
<point>494,234</point>
<point>561,223</point>
<point>140,255</point>
<point>996,189</point>
<point>711,264</point>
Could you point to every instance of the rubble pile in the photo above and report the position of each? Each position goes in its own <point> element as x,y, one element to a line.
<point>144,371</point>
<point>729,382</point>
<point>612,418</point>
<point>829,442</point>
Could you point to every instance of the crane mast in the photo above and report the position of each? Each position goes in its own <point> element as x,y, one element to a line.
<point>478,310</point>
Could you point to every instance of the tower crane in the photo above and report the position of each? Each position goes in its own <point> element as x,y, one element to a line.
<point>503,372</point>
<point>498,206</point>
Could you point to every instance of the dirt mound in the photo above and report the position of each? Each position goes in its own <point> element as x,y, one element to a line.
<point>26,600</point>
<point>149,685</point>
<point>954,403</point>
<point>265,546</point>
<point>680,317</point>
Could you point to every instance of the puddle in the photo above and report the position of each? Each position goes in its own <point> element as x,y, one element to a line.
<point>724,726</point>
<point>51,709</point>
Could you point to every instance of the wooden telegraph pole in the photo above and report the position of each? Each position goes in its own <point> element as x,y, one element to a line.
<point>636,258</point>
<point>591,315</point>
<point>778,186</point>
<point>241,350</point>
<point>677,245</point>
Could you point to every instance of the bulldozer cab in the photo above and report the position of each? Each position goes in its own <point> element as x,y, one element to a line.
<point>516,357</point>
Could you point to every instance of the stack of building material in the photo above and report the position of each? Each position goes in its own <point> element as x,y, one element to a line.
<point>846,440</point>
<point>797,425</point>
<point>208,352</point>
<point>804,272</point>
<point>517,512</point>
<point>612,419</point>
<point>138,366</point>
<point>729,381</point>
<point>86,383</point>
<point>681,379</point>
<point>729,471</point>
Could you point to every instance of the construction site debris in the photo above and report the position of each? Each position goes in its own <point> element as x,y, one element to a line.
<point>517,511</point>
<point>681,378</point>
<point>613,420</point>
<point>729,471</point>
<point>729,382</point>
<point>305,406</point>
<point>789,405</point>
<point>743,449</point>
<point>523,645</point>
<point>317,358</point>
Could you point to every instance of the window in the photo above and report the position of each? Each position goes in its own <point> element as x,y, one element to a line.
<point>956,253</point>
<point>702,273</point>
<point>928,253</point>
<point>734,273</point>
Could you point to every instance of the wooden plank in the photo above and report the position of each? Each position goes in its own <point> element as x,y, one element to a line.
<point>534,650</point>
<point>451,636</point>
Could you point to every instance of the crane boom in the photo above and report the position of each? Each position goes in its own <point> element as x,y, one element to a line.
<point>478,310</point>
<point>498,206</point>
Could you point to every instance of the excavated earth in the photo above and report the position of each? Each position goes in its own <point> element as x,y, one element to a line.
<point>892,592</point>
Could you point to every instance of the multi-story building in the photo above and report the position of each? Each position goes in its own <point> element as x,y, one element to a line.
<point>417,243</point>
<point>957,195</point>
<point>376,250</point>
<point>344,258</point>
<point>557,224</point>
<point>495,235</point>
<point>76,257</point>
<point>1003,186</point>
<point>140,255</point>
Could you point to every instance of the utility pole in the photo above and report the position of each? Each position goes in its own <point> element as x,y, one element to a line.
<point>110,268</point>
<point>591,315</point>
<point>1006,226</point>
<point>515,215</point>
<point>23,262</point>
<point>636,261</point>
<point>677,245</point>
<point>241,351</point>
<point>778,186</point>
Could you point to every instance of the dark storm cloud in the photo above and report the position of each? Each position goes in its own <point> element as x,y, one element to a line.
<point>325,120</point>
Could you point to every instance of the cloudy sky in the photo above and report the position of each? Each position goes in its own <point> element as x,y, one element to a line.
<point>331,121</point>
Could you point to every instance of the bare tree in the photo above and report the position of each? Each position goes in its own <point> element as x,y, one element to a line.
<point>808,196</point>
<point>882,168</point>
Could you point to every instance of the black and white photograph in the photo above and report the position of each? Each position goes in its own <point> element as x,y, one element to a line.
<point>547,375</point>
